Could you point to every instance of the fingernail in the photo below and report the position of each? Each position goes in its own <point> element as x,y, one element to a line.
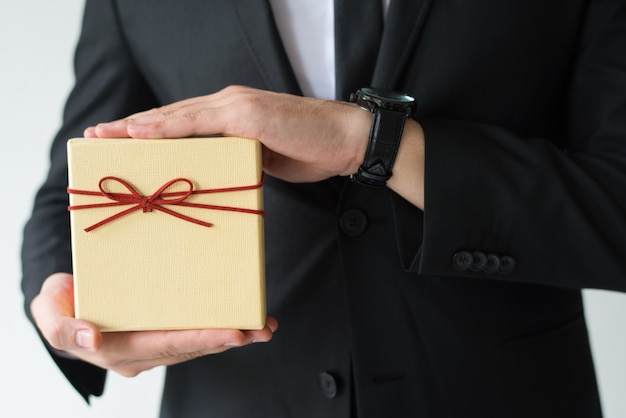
<point>84,339</point>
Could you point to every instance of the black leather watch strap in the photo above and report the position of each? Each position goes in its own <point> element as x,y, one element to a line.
<point>385,134</point>
<point>390,110</point>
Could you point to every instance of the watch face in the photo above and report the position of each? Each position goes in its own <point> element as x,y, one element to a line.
<point>388,95</point>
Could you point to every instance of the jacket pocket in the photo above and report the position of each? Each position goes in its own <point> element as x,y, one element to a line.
<point>549,373</point>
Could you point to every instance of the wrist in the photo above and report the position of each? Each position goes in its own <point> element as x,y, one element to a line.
<point>359,130</point>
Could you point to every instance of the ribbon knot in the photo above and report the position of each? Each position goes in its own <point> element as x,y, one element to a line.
<point>147,206</point>
<point>156,201</point>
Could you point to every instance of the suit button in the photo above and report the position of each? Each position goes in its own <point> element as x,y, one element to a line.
<point>507,264</point>
<point>353,222</point>
<point>462,260</point>
<point>479,261</point>
<point>493,264</point>
<point>328,383</point>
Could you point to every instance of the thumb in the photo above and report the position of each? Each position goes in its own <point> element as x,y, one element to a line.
<point>53,312</point>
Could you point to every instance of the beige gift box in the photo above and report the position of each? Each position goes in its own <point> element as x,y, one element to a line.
<point>167,234</point>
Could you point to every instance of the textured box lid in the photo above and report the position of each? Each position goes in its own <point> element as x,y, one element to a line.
<point>154,270</point>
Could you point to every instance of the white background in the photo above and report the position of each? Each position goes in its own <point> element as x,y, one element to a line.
<point>37,38</point>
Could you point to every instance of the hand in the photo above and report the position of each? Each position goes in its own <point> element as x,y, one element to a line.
<point>305,139</point>
<point>127,353</point>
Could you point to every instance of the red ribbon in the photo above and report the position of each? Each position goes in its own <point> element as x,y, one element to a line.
<point>157,200</point>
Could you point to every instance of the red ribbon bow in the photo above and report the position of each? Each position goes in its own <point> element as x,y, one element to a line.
<point>156,200</point>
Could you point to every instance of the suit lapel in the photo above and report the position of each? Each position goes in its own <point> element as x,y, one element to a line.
<point>405,21</point>
<point>256,21</point>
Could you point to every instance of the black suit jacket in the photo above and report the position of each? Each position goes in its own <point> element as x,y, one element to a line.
<point>523,105</point>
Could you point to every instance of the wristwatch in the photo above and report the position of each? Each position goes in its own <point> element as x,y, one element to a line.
<point>390,110</point>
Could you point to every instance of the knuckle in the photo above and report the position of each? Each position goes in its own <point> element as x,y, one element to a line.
<point>54,336</point>
<point>169,352</point>
<point>168,113</point>
<point>59,336</point>
<point>191,116</point>
<point>158,124</point>
<point>153,110</point>
<point>172,355</point>
<point>188,356</point>
<point>130,120</point>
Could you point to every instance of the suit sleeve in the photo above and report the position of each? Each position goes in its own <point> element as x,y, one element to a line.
<point>556,214</point>
<point>108,86</point>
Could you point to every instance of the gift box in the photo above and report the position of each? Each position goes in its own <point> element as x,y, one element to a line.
<point>167,234</point>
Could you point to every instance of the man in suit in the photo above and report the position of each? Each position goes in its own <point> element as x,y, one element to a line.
<point>450,289</point>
